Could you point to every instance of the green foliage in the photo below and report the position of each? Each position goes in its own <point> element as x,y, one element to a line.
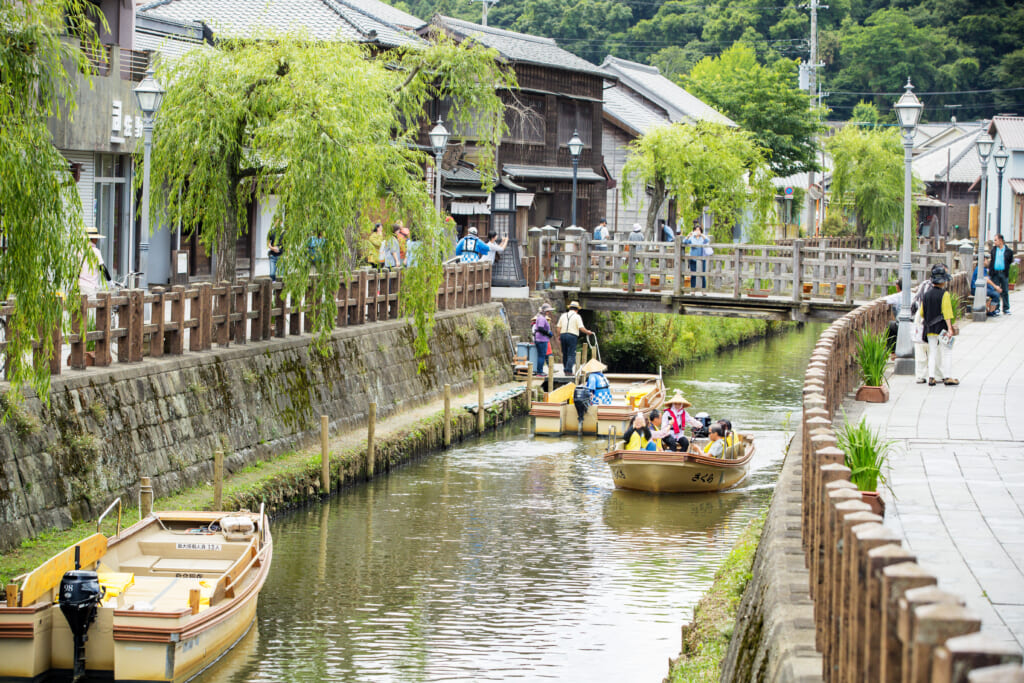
<point>764,100</point>
<point>42,227</point>
<point>865,114</point>
<point>641,341</point>
<point>1013,272</point>
<point>835,225</point>
<point>873,356</point>
<point>867,178</point>
<point>484,325</point>
<point>331,132</point>
<point>703,165</point>
<point>957,304</point>
<point>866,454</point>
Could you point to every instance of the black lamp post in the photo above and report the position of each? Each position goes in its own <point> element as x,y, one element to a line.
<point>438,141</point>
<point>575,147</point>
<point>908,110</point>
<point>1000,158</point>
<point>150,95</point>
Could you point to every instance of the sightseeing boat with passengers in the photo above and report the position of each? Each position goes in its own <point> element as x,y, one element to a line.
<point>676,472</point>
<point>159,601</point>
<point>557,412</point>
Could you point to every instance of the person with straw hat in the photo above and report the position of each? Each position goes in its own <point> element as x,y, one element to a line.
<point>570,324</point>
<point>542,337</point>
<point>600,390</point>
<point>676,418</point>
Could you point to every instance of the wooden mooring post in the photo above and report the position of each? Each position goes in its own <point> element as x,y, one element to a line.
<point>218,479</point>
<point>371,428</point>
<point>551,373</point>
<point>481,416</point>
<point>447,415</point>
<point>325,456</point>
<point>145,497</point>
<point>529,384</point>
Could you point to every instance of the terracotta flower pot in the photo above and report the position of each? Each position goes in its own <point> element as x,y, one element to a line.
<point>871,394</point>
<point>840,291</point>
<point>875,501</point>
<point>759,293</point>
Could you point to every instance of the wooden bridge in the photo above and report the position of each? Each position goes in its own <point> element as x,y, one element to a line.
<point>797,281</point>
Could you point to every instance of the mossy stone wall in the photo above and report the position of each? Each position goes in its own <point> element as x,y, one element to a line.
<point>104,429</point>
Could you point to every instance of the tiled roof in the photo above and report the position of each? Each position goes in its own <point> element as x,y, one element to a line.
<point>629,113</point>
<point>648,81</point>
<point>551,173</point>
<point>931,165</point>
<point>355,20</point>
<point>1010,130</point>
<point>520,47</point>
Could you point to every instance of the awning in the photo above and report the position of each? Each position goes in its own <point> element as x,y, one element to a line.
<point>924,200</point>
<point>1017,185</point>
<point>469,208</point>
<point>584,175</point>
<point>524,200</point>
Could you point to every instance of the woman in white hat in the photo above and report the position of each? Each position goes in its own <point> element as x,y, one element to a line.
<point>676,419</point>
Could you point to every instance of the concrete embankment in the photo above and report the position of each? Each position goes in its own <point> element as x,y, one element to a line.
<point>104,429</point>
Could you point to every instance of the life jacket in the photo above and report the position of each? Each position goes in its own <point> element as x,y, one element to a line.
<point>637,442</point>
<point>468,248</point>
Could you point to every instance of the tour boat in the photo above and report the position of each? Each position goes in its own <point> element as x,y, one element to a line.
<point>556,414</point>
<point>674,472</point>
<point>160,601</point>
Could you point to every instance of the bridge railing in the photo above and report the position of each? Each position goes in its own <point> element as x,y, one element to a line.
<point>758,270</point>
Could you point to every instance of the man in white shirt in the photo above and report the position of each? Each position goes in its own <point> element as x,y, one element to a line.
<point>570,324</point>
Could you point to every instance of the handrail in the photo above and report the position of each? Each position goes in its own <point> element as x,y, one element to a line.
<point>117,502</point>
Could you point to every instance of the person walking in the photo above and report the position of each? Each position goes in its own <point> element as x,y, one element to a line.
<point>937,311</point>
<point>601,235</point>
<point>570,324</point>
<point>542,337</point>
<point>1002,259</point>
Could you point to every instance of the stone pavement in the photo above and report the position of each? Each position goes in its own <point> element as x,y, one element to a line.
<point>957,477</point>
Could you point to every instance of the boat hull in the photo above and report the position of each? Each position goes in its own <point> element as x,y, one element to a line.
<point>558,416</point>
<point>664,472</point>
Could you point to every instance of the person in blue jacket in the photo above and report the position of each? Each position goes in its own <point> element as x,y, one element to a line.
<point>471,248</point>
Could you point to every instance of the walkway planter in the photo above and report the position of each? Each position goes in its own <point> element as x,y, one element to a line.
<point>759,293</point>
<point>875,501</point>
<point>871,394</point>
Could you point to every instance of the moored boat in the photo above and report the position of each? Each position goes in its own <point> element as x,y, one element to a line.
<point>159,601</point>
<point>557,414</point>
<point>674,472</point>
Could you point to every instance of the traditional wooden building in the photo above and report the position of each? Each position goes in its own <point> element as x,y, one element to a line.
<point>559,93</point>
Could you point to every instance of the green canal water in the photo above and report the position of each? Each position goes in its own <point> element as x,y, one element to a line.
<point>513,557</point>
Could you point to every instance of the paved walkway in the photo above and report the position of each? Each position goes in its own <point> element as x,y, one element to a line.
<point>957,473</point>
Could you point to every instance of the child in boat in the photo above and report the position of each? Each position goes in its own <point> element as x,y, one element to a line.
<point>730,436</point>
<point>716,445</point>
<point>638,436</point>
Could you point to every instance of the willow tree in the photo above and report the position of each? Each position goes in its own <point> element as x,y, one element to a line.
<point>330,129</point>
<point>867,179</point>
<point>702,166</point>
<point>42,234</point>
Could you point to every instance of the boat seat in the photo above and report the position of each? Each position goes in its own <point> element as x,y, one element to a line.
<point>154,565</point>
<point>140,564</point>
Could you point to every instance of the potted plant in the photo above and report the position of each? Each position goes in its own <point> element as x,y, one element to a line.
<point>866,454</point>
<point>1011,274</point>
<point>758,289</point>
<point>872,358</point>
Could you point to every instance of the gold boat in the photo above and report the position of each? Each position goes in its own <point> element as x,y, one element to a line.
<point>556,414</point>
<point>160,601</point>
<point>673,472</point>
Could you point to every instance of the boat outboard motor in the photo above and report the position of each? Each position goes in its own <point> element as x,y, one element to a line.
<point>700,430</point>
<point>80,594</point>
<point>581,399</point>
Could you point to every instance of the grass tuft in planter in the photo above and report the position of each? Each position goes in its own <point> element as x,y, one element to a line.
<point>866,454</point>
<point>872,357</point>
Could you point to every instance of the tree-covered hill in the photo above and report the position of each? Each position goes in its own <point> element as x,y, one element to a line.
<point>970,53</point>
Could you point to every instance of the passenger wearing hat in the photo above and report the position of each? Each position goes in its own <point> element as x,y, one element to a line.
<point>471,248</point>
<point>89,279</point>
<point>676,419</point>
<point>570,324</point>
<point>937,313</point>
<point>637,234</point>
<point>600,389</point>
<point>542,337</point>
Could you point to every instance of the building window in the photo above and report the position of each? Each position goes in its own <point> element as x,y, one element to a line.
<point>574,116</point>
<point>525,120</point>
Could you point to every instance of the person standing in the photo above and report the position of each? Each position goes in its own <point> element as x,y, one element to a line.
<point>391,249</point>
<point>89,278</point>
<point>542,337</point>
<point>372,246</point>
<point>274,250</point>
<point>601,235</point>
<point>637,234</point>
<point>667,233</point>
<point>494,247</point>
<point>570,324</point>
<point>937,312</point>
<point>471,248</point>
<point>1002,258</point>
<point>696,239</point>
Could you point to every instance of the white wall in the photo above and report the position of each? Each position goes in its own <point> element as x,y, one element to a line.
<point>264,217</point>
<point>1011,217</point>
<point>614,144</point>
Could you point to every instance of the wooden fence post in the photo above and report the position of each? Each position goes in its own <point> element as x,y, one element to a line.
<point>677,268</point>
<point>738,266</point>
<point>551,373</point>
<point>584,248</point>
<point>447,415</point>
<point>325,456</point>
<point>145,497</point>
<point>371,428</point>
<point>157,318</point>
<point>177,343</point>
<point>481,415</point>
<point>218,479</point>
<point>103,327</point>
<point>79,328</point>
<point>897,579</point>
<point>797,267</point>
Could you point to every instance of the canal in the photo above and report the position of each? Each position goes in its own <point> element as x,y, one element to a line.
<point>513,557</point>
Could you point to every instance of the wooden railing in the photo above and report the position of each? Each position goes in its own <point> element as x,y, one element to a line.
<point>878,614</point>
<point>789,271</point>
<point>131,325</point>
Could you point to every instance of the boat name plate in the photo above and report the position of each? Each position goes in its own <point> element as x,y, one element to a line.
<point>215,547</point>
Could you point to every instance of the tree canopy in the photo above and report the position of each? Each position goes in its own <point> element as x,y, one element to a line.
<point>331,131</point>
<point>706,165</point>
<point>764,100</point>
<point>42,234</point>
<point>867,178</point>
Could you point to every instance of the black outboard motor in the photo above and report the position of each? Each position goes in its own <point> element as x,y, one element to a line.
<point>80,594</point>
<point>700,430</point>
<point>581,399</point>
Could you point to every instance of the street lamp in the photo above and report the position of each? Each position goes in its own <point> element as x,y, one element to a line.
<point>438,140</point>
<point>1000,158</point>
<point>908,110</point>
<point>149,94</point>
<point>984,145</point>
<point>575,147</point>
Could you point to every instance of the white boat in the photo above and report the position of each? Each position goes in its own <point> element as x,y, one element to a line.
<point>675,472</point>
<point>556,414</point>
<point>159,601</point>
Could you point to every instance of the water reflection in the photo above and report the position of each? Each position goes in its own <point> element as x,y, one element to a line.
<point>514,557</point>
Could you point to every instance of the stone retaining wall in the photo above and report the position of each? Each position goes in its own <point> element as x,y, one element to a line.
<point>104,429</point>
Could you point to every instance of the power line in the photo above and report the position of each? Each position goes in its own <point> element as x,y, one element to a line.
<point>947,92</point>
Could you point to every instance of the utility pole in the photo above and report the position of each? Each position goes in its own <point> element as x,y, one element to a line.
<point>812,89</point>
<point>485,3</point>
